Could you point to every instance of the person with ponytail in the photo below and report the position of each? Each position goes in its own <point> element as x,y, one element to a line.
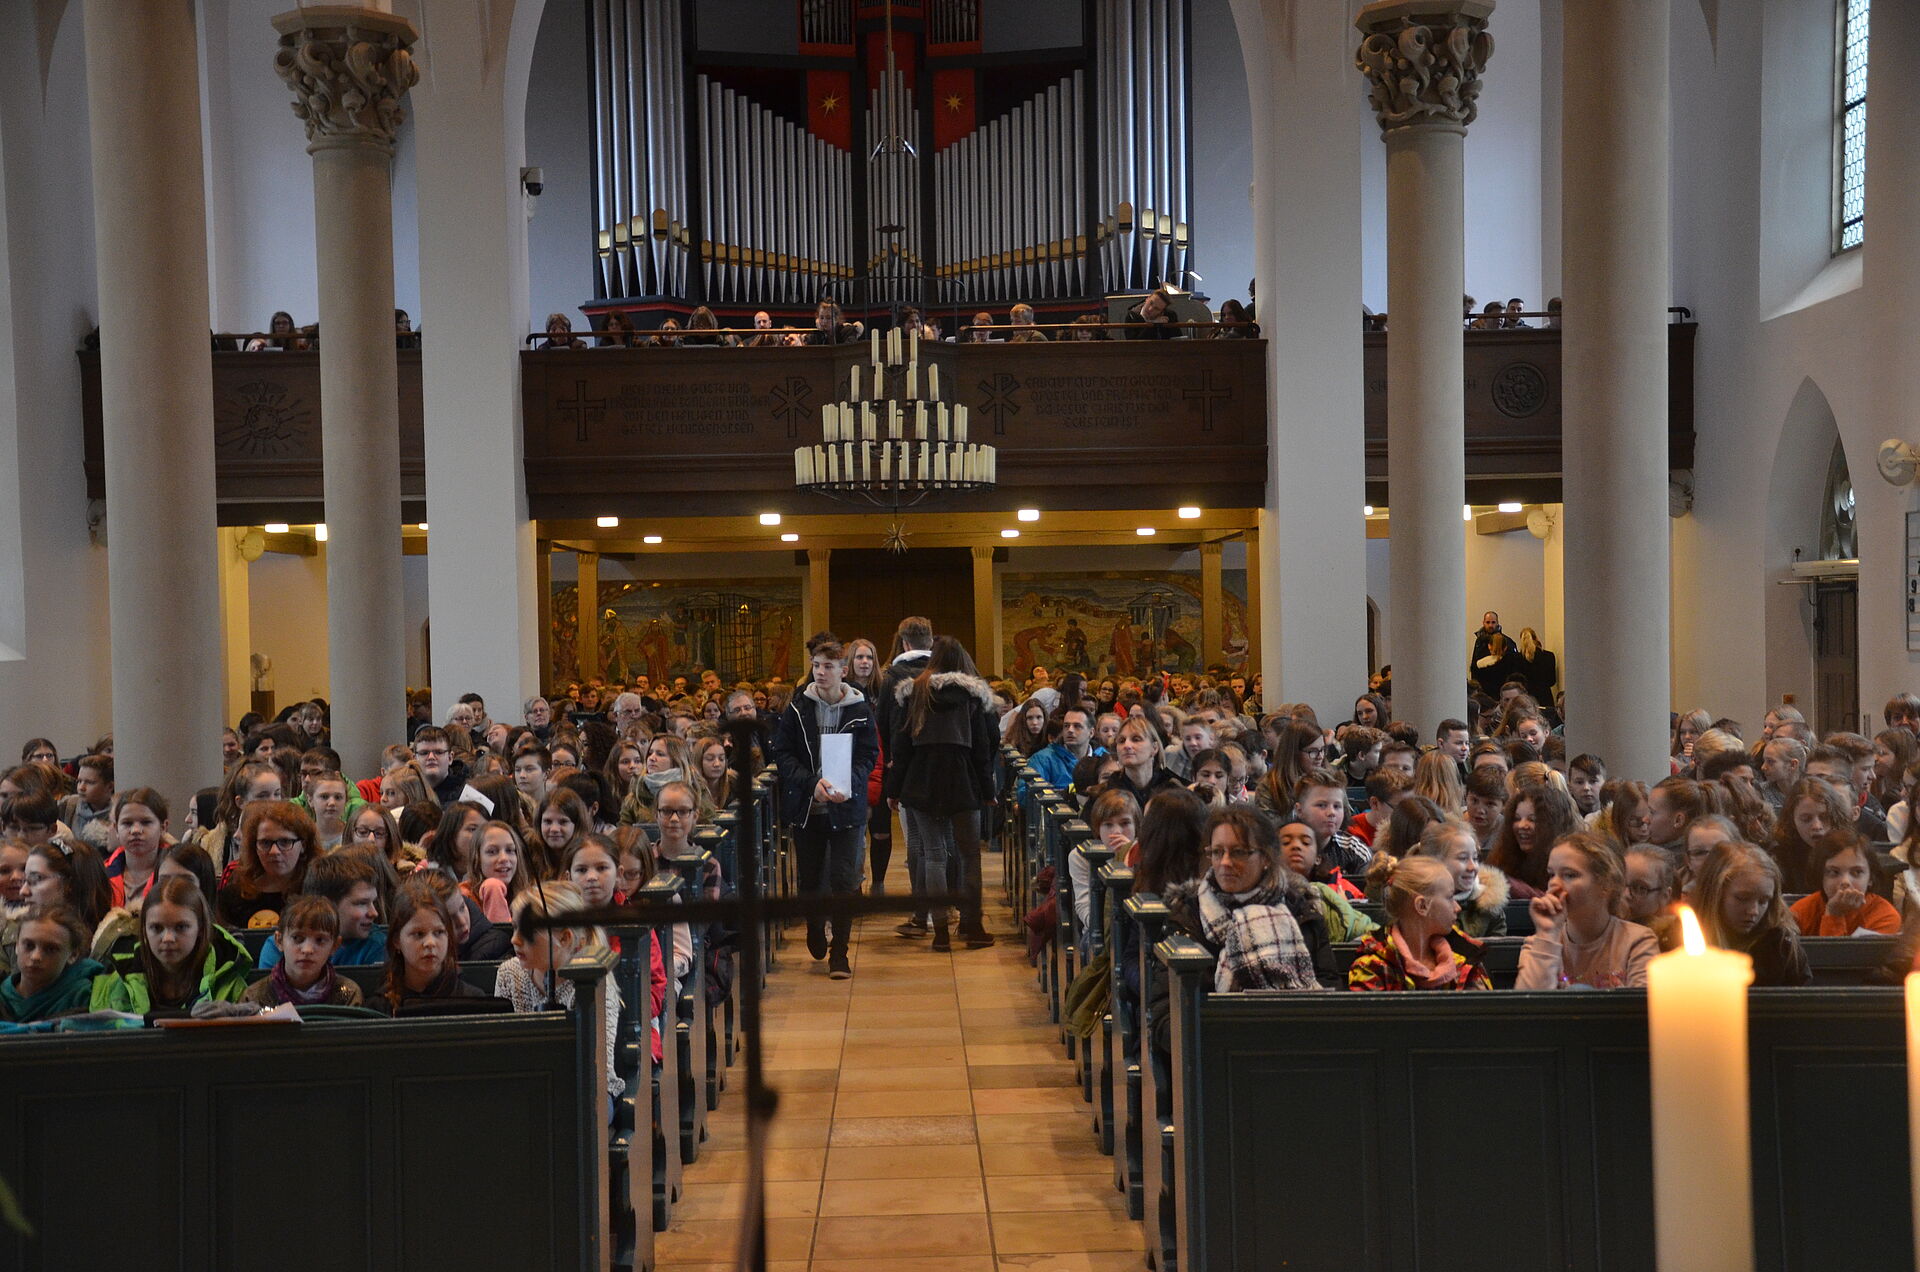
<point>1420,947</point>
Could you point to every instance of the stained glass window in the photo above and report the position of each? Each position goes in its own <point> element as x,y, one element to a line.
<point>1850,127</point>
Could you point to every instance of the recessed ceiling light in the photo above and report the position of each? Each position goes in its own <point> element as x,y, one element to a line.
<point>606,523</point>
<point>275,527</point>
<point>1188,512</point>
<point>789,538</point>
<point>1009,534</point>
<point>649,538</point>
<point>1510,507</point>
<point>422,525</point>
<point>769,518</point>
<point>1145,532</point>
<point>1367,510</point>
<point>1028,514</point>
<point>1466,512</point>
<point>320,532</point>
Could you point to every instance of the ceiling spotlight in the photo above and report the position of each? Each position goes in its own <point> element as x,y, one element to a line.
<point>606,523</point>
<point>1145,532</point>
<point>1189,512</point>
<point>1510,507</point>
<point>1367,510</point>
<point>275,527</point>
<point>649,538</point>
<point>422,526</point>
<point>769,518</point>
<point>789,537</point>
<point>1028,514</point>
<point>320,532</point>
<point>1466,512</point>
<point>1009,534</point>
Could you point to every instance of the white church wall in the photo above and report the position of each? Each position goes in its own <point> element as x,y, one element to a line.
<point>559,98</point>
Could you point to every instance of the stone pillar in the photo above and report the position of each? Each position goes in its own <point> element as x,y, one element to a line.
<point>986,614</point>
<point>818,615</point>
<point>1254,624</point>
<point>348,69</point>
<point>469,144</point>
<point>588,642</point>
<point>1307,254</point>
<point>1213,609</point>
<point>156,390</point>
<point>1422,60</point>
<point>1613,358</point>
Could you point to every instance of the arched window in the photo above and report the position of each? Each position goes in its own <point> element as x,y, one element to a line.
<point>1850,125</point>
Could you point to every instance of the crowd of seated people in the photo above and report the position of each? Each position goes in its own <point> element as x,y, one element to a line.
<point>1269,830</point>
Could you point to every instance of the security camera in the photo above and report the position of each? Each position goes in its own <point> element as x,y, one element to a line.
<point>530,181</point>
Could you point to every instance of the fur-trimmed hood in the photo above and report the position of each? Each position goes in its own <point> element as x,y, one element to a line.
<point>945,685</point>
<point>1492,892</point>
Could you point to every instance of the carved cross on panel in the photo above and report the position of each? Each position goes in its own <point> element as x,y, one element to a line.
<point>790,399</point>
<point>1207,394</point>
<point>999,401</point>
<point>583,409</point>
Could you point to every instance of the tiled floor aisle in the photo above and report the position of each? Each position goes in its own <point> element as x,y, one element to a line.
<point>927,1122</point>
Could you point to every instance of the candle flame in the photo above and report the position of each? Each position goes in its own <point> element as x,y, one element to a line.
<point>1691,937</point>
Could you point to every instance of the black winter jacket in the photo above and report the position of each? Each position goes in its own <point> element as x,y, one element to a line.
<point>946,765</point>
<point>796,750</point>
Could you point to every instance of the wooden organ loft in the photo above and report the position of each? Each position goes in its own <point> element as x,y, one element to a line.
<point>893,160</point>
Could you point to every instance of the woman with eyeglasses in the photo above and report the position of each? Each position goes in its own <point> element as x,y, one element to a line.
<point>277,840</point>
<point>1299,749</point>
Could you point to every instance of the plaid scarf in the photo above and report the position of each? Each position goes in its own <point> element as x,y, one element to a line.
<point>285,991</point>
<point>1259,940</point>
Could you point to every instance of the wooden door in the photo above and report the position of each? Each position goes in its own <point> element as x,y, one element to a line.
<point>1836,657</point>
<point>870,590</point>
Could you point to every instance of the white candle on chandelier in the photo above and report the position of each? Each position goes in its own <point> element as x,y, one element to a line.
<point>920,418</point>
<point>933,382</point>
<point>993,465</point>
<point>866,464</point>
<point>876,348</point>
<point>886,464</point>
<point>853,390</point>
<point>913,379</point>
<point>926,461</point>
<point>960,415</point>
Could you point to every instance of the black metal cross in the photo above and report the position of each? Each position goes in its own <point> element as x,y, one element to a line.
<point>1207,394</point>
<point>583,409</point>
<point>747,914</point>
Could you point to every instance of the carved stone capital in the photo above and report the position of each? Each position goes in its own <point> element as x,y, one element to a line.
<point>348,68</point>
<point>1423,59</point>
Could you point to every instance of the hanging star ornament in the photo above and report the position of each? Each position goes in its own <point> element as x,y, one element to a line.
<point>954,103</point>
<point>895,539</point>
<point>830,103</point>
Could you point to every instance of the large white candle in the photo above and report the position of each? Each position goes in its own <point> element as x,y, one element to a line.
<point>854,392</point>
<point>920,419</point>
<point>926,463</point>
<point>960,422</point>
<point>876,348</point>
<point>913,379</point>
<point>933,382</point>
<point>1702,1158</point>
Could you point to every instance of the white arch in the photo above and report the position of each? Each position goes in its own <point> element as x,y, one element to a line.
<point>1794,491</point>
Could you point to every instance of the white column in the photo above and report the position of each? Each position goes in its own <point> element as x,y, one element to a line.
<point>348,69</point>
<point>469,147</point>
<point>156,388</point>
<point>1309,555</point>
<point>1613,361</point>
<point>1422,60</point>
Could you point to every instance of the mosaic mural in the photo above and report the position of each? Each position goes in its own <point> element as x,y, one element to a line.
<point>746,629</point>
<point>1115,623</point>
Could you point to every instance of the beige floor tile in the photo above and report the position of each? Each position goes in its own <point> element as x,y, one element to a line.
<point>1043,1159</point>
<point>865,1104</point>
<point>709,1239</point>
<point>1015,1053</point>
<point>1065,1231</point>
<point>1078,1261</point>
<point>1021,1075</point>
<point>787,1080</point>
<point>915,1078</point>
<point>1090,1193</point>
<point>1036,1128</point>
<point>875,1132</point>
<point>926,1161</point>
<point>782,1163</point>
<point>801,1058</point>
<point>786,1199</point>
<point>1029,1100</point>
<point>936,1263</point>
<point>881,1055</point>
<point>919,1036</point>
<point>900,1238</point>
<point>957,1196</point>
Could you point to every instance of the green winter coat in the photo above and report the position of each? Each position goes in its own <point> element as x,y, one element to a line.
<point>123,986</point>
<point>1344,923</point>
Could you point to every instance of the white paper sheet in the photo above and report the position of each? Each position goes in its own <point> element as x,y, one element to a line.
<point>836,761</point>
